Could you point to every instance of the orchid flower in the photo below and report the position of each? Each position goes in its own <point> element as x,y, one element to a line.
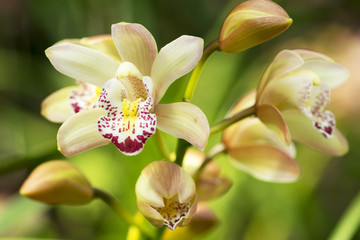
<point>166,194</point>
<point>67,101</point>
<point>292,96</point>
<point>128,111</point>
<point>257,150</point>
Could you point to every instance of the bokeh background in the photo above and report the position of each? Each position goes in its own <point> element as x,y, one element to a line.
<point>307,209</point>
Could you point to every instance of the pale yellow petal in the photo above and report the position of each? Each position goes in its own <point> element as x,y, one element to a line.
<point>80,133</point>
<point>56,107</point>
<point>135,44</point>
<point>175,60</point>
<point>183,120</point>
<point>266,163</point>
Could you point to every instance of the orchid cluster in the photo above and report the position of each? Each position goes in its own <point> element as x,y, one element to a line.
<point>120,81</point>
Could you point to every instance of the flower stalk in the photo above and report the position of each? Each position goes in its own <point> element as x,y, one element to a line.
<point>215,151</point>
<point>349,222</point>
<point>121,211</point>
<point>190,88</point>
<point>228,121</point>
<point>162,146</point>
<point>181,148</point>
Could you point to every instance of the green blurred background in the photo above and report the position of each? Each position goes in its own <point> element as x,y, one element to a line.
<point>307,209</point>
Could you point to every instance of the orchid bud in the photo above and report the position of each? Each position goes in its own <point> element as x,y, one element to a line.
<point>209,183</point>
<point>257,150</point>
<point>166,194</point>
<point>251,23</point>
<point>57,182</point>
<point>203,221</point>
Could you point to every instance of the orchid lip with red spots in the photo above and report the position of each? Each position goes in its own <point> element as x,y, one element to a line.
<point>297,83</point>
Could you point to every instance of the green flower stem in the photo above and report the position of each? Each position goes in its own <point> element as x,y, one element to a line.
<point>349,222</point>
<point>182,145</point>
<point>209,49</point>
<point>228,121</point>
<point>214,151</point>
<point>121,211</point>
<point>161,145</point>
<point>8,166</point>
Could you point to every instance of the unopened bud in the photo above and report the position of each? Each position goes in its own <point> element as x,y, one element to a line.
<point>57,182</point>
<point>251,23</point>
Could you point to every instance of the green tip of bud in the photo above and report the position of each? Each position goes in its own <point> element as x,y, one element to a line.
<point>57,182</point>
<point>251,23</point>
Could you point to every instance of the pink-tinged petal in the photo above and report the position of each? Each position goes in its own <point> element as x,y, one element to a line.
<point>150,213</point>
<point>266,163</point>
<point>303,130</point>
<point>84,97</point>
<point>183,120</point>
<point>135,44</point>
<point>175,60</point>
<point>82,63</point>
<point>56,107</point>
<point>203,221</point>
<point>330,74</point>
<point>127,124</point>
<point>283,63</point>
<point>273,119</point>
<point>79,133</point>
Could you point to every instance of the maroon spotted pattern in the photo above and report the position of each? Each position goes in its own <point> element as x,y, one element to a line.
<point>128,133</point>
<point>83,98</point>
